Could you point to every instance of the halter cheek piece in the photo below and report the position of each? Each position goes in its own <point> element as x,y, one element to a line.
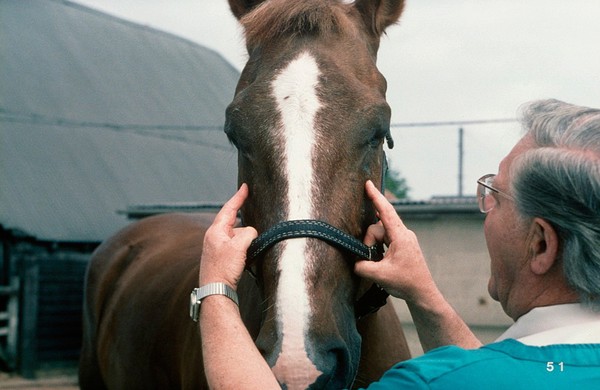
<point>374,298</point>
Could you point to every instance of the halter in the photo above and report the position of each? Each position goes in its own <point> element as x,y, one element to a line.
<point>375,297</point>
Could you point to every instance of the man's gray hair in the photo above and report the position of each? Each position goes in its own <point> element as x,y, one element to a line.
<point>559,181</point>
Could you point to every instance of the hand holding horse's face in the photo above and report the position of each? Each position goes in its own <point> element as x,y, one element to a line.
<point>403,271</point>
<point>225,246</point>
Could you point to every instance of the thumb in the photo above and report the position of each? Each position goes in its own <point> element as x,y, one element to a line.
<point>366,269</point>
<point>243,237</point>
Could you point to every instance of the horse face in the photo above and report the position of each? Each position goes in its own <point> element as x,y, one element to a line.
<point>309,118</point>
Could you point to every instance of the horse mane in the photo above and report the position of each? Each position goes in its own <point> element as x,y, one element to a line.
<point>289,19</point>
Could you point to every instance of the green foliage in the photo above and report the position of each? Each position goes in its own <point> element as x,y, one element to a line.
<point>396,184</point>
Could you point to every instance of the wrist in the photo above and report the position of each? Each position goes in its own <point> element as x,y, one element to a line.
<point>427,301</point>
<point>208,275</point>
<point>208,290</point>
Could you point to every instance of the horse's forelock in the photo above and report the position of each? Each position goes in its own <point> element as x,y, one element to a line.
<point>280,18</point>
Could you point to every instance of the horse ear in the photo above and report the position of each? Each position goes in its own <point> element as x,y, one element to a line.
<point>379,14</point>
<point>240,8</point>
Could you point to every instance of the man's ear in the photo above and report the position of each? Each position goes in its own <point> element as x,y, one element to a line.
<point>544,246</point>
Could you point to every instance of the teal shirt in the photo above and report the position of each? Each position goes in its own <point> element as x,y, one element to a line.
<point>508,364</point>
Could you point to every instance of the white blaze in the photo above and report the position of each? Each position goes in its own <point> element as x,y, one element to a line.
<point>295,92</point>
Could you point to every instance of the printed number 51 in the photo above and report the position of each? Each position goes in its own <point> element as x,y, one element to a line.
<point>550,366</point>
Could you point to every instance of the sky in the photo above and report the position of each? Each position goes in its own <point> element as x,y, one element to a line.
<point>445,61</point>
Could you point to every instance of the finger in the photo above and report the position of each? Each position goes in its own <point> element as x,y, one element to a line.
<point>387,213</point>
<point>366,269</point>
<point>244,236</point>
<point>375,234</point>
<point>228,214</point>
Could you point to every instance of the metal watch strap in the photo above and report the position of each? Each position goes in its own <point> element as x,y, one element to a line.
<point>198,294</point>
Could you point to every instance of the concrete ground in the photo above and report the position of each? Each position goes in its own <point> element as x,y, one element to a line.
<point>54,378</point>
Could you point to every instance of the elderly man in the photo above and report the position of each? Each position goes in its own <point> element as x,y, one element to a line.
<point>542,230</point>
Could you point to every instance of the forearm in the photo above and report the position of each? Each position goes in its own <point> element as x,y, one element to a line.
<point>438,324</point>
<point>231,360</point>
<point>403,272</point>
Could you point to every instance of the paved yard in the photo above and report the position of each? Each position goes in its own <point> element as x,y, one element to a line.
<point>63,378</point>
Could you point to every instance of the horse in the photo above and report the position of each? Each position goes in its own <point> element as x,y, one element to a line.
<point>309,120</point>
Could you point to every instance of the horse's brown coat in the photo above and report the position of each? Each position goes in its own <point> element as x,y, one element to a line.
<point>137,333</point>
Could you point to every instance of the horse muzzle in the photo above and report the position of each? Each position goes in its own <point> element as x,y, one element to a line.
<point>320,360</point>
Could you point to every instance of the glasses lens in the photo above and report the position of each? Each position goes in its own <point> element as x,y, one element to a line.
<point>481,197</point>
<point>484,194</point>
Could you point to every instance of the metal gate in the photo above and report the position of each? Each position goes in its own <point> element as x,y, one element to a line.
<point>9,323</point>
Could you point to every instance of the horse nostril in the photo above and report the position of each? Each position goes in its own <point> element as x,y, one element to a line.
<point>269,354</point>
<point>341,357</point>
<point>344,369</point>
<point>337,368</point>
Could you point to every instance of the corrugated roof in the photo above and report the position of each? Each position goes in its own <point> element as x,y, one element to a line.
<point>97,114</point>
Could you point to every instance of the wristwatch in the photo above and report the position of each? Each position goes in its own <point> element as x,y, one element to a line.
<point>198,294</point>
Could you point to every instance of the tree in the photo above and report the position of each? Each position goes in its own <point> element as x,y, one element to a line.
<point>396,184</point>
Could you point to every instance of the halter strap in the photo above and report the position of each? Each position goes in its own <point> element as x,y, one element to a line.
<point>312,229</point>
<point>372,300</point>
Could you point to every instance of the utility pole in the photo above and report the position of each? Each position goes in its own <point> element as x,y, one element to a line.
<point>460,160</point>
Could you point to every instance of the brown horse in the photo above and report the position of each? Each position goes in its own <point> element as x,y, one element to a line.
<point>309,120</point>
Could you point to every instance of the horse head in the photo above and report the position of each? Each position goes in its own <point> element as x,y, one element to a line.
<point>309,119</point>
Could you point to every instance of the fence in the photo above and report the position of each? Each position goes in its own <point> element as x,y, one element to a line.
<point>9,323</point>
<point>40,317</point>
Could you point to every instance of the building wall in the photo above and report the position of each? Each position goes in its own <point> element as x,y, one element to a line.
<point>455,249</point>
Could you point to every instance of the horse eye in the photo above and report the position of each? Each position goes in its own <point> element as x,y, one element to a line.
<point>377,136</point>
<point>231,137</point>
<point>232,131</point>
<point>237,137</point>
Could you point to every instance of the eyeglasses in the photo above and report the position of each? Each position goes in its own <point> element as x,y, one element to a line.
<point>484,191</point>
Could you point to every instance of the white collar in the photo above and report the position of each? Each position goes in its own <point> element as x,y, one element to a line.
<point>559,324</point>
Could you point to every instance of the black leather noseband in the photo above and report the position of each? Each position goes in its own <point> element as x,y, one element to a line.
<point>311,228</point>
<point>372,300</point>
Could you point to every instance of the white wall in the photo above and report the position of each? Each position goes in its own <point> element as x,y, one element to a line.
<point>455,249</point>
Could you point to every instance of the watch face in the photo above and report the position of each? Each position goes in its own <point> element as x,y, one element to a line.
<point>194,305</point>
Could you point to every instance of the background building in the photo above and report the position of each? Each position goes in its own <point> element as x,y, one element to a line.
<point>95,114</point>
<point>450,231</point>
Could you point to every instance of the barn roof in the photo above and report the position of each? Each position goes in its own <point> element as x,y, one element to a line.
<point>97,114</point>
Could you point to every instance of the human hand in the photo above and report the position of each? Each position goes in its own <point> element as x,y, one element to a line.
<point>403,271</point>
<point>224,251</point>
